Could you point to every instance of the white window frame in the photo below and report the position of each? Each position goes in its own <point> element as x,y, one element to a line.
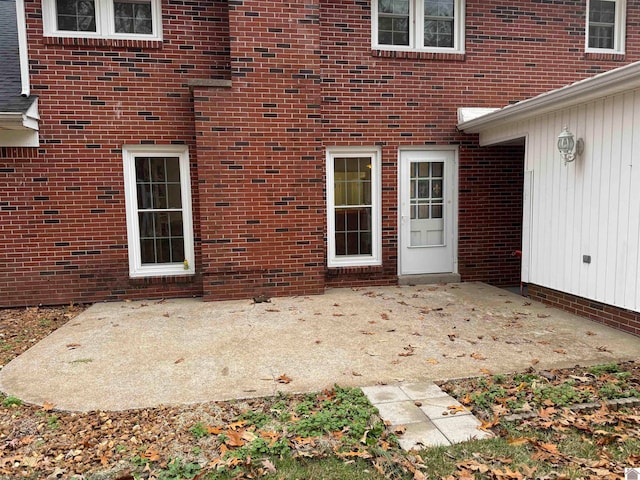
<point>416,30</point>
<point>136,268</point>
<point>105,22</point>
<point>619,34</point>
<point>333,260</point>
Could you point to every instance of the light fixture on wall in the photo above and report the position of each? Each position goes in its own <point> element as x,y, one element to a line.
<point>568,146</point>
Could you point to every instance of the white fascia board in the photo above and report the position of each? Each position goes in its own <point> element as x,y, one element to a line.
<point>602,85</point>
<point>466,114</point>
<point>21,121</point>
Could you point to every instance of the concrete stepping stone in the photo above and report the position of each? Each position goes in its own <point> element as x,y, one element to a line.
<point>423,409</point>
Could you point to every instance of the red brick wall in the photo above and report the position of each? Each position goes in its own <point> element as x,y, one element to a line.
<point>304,79</point>
<point>619,318</point>
<point>62,209</point>
<point>490,214</point>
<point>260,161</point>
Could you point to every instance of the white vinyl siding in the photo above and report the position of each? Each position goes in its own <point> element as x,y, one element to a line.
<point>588,207</point>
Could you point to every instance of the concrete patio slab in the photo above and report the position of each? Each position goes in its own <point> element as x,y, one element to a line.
<point>117,356</point>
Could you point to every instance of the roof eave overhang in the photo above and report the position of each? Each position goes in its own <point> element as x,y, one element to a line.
<point>602,85</point>
<point>20,129</point>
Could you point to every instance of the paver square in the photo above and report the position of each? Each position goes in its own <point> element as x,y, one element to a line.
<point>422,390</point>
<point>384,394</point>
<point>461,429</point>
<point>421,435</point>
<point>400,413</point>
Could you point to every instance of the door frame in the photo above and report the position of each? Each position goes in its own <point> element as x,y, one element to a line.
<point>454,198</point>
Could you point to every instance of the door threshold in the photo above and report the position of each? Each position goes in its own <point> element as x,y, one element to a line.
<point>427,278</point>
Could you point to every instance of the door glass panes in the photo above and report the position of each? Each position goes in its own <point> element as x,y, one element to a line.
<point>353,207</point>
<point>426,203</point>
<point>438,23</point>
<point>393,22</point>
<point>159,209</point>
<point>132,17</point>
<point>76,15</point>
<point>602,20</point>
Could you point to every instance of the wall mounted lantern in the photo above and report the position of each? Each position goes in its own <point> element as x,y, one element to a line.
<point>568,146</point>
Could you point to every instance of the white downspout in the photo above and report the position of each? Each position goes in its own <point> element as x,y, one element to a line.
<point>22,44</point>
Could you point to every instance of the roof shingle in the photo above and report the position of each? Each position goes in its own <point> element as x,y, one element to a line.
<point>11,99</point>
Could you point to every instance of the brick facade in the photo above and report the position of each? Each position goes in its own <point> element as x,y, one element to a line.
<point>619,318</point>
<point>303,78</point>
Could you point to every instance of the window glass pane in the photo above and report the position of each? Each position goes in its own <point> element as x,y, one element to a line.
<point>439,8</point>
<point>602,18</point>
<point>394,6</point>
<point>174,199</point>
<point>133,17</point>
<point>393,22</point>
<point>353,231</point>
<point>159,194</point>
<point>76,15</point>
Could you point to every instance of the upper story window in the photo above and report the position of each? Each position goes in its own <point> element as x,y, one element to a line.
<point>421,25</point>
<point>121,19</point>
<point>606,26</point>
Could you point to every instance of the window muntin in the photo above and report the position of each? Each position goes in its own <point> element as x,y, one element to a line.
<point>606,26</point>
<point>353,207</point>
<point>157,189</point>
<point>421,25</point>
<point>125,19</point>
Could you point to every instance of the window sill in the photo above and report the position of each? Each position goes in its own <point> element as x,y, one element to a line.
<point>418,55</point>
<point>173,279</point>
<point>337,271</point>
<point>608,56</point>
<point>103,42</point>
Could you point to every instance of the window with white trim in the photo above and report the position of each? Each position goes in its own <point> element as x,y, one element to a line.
<point>354,233</point>
<point>118,19</point>
<point>158,199</point>
<point>606,22</point>
<point>421,25</point>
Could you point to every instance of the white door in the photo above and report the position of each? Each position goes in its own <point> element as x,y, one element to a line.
<point>427,194</point>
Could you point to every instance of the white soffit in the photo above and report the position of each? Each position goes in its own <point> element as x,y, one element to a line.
<point>602,85</point>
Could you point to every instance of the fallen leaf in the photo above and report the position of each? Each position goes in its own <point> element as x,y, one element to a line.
<point>356,374</point>
<point>543,315</point>
<point>73,346</point>
<point>269,466</point>
<point>47,407</point>
<point>590,333</point>
<point>486,371</point>
<point>535,361</point>
<point>603,348</point>
<point>560,351</point>
<point>432,361</point>
<point>477,356</point>
<point>400,429</point>
<point>180,360</point>
<point>284,379</point>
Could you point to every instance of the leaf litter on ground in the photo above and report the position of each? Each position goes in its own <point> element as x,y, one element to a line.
<point>552,438</point>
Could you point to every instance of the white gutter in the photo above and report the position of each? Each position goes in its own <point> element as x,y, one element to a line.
<point>602,85</point>
<point>22,45</point>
